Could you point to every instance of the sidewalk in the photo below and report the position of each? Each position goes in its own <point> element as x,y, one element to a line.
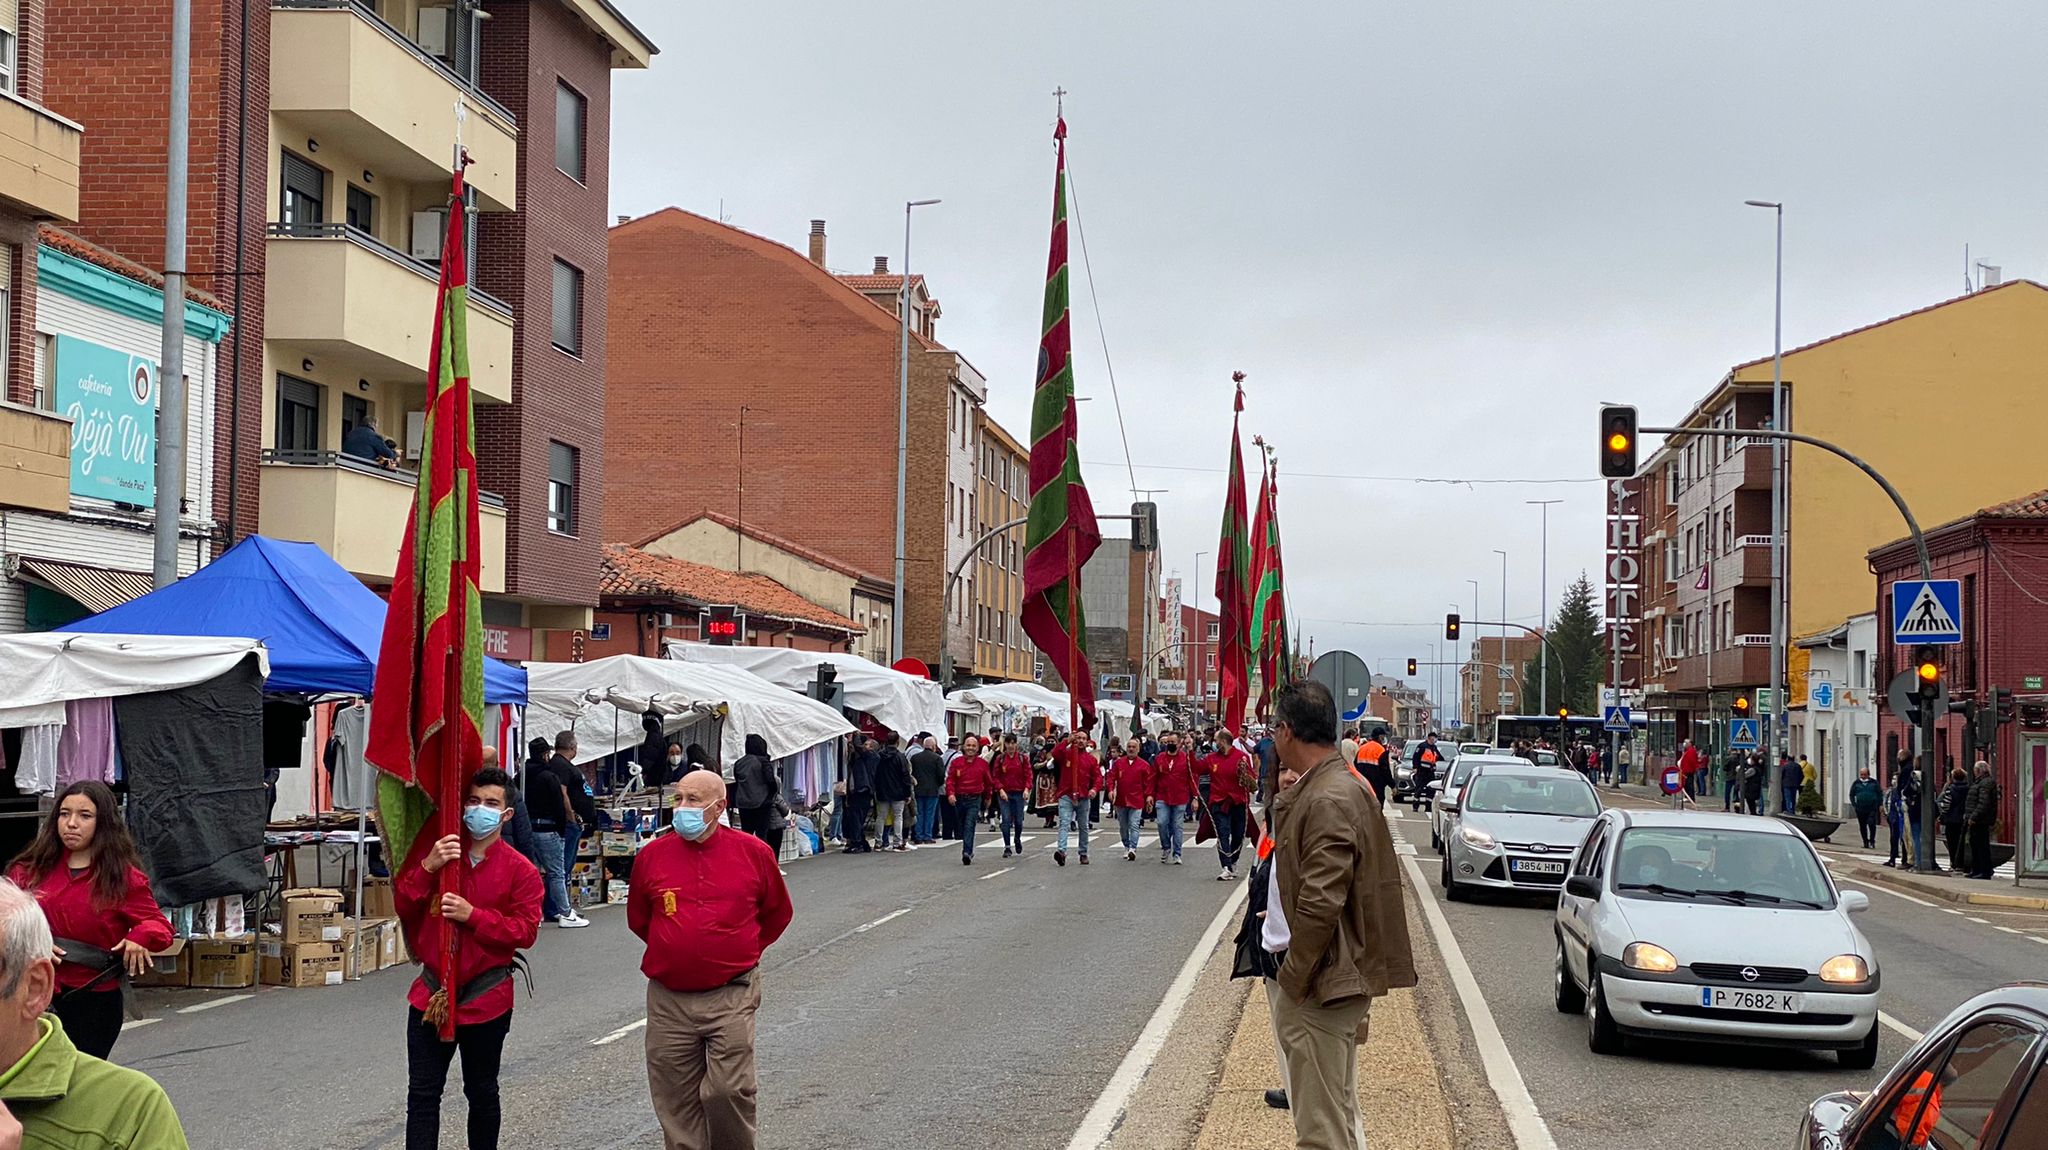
<point>1849,859</point>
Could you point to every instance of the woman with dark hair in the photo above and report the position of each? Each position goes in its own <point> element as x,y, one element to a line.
<point>82,868</point>
<point>756,785</point>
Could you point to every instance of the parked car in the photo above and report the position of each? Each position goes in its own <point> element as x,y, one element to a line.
<point>1971,1080</point>
<point>1517,826</point>
<point>1713,927</point>
<point>1450,784</point>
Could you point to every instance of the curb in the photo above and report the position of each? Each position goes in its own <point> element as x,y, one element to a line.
<point>1883,876</point>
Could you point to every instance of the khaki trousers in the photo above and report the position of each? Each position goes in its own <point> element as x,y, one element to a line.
<point>1273,996</point>
<point>700,1064</point>
<point>1320,1045</point>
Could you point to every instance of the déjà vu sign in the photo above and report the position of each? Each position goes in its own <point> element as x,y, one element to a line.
<point>111,398</point>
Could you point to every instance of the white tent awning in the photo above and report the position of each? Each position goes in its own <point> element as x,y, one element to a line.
<point>903,703</point>
<point>41,672</point>
<point>605,698</point>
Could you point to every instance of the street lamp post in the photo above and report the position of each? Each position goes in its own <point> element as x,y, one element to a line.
<point>1201,685</point>
<point>1778,448</point>
<point>1503,605</point>
<point>1543,578</point>
<point>903,439</point>
<point>1469,698</point>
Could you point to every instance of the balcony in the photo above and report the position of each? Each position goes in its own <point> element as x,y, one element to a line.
<point>1747,565</point>
<point>357,513</point>
<point>38,161</point>
<point>343,75</point>
<point>35,456</point>
<point>338,294</point>
<point>1745,664</point>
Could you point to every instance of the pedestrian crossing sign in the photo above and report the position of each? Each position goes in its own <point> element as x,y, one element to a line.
<point>1927,611</point>
<point>1615,719</point>
<point>1743,735</point>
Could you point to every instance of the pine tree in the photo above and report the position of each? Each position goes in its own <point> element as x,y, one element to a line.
<point>1576,651</point>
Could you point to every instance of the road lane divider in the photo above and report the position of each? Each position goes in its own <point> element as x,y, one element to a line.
<point>1911,1034</point>
<point>868,926</point>
<point>994,873</point>
<point>1525,1122</point>
<point>1882,889</point>
<point>136,1023</point>
<point>621,1032</point>
<point>1108,1111</point>
<point>216,1002</point>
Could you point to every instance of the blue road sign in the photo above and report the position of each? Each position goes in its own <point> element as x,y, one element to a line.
<point>1822,692</point>
<point>1927,611</point>
<point>1742,734</point>
<point>1615,719</point>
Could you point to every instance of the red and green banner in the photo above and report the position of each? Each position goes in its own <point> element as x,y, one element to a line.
<point>1061,532</point>
<point>426,727</point>
<point>1269,593</point>
<point>1233,584</point>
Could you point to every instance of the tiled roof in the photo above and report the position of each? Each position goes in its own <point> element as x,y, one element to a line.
<point>120,265</point>
<point>768,537</point>
<point>870,282</point>
<point>632,573</point>
<point>2033,506</point>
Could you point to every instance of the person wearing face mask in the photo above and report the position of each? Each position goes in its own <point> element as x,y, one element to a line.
<point>968,781</point>
<point>1173,788</point>
<point>495,916</point>
<point>1867,797</point>
<point>707,902</point>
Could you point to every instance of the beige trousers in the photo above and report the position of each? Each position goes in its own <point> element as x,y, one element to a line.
<point>1273,996</point>
<point>1320,1046</point>
<point>700,1065</point>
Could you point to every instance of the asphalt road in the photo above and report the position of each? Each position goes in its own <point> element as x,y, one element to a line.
<point>912,1001</point>
<point>1683,1095</point>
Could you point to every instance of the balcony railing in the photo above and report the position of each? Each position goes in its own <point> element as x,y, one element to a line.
<point>369,16</point>
<point>368,242</point>
<point>356,463</point>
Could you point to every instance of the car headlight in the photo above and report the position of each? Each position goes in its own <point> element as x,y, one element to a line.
<point>1648,956</point>
<point>1474,838</point>
<point>1845,968</point>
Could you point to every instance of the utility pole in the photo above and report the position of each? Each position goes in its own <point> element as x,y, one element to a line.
<point>1778,450</point>
<point>1543,579</point>
<point>170,410</point>
<point>1503,614</point>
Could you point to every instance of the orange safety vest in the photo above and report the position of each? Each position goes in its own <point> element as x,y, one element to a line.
<point>1923,1086</point>
<point>1372,752</point>
<point>1429,754</point>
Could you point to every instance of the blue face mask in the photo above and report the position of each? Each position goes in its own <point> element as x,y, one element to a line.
<point>481,820</point>
<point>691,823</point>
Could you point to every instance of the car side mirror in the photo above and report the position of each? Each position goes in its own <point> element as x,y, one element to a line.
<point>1582,886</point>
<point>1435,785</point>
<point>1855,901</point>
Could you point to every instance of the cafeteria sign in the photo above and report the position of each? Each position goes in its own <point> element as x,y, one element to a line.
<point>111,397</point>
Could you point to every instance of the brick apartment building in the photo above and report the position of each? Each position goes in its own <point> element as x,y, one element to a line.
<point>774,340</point>
<point>1002,652</point>
<point>323,132</point>
<point>1480,685</point>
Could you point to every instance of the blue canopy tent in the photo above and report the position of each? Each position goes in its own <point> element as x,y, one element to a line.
<point>321,625</point>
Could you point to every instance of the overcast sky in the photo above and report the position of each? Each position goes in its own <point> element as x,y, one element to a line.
<point>1434,235</point>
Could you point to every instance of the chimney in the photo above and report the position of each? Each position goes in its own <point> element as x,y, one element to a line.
<point>818,242</point>
<point>625,219</point>
<point>881,265</point>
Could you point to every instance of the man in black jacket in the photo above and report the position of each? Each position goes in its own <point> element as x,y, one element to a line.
<point>1980,814</point>
<point>928,779</point>
<point>892,795</point>
<point>859,796</point>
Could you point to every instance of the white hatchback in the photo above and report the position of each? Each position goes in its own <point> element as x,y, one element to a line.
<point>1715,928</point>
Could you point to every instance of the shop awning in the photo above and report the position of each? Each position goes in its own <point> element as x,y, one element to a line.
<point>94,588</point>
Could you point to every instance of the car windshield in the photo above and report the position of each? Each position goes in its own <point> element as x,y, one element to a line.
<point>1519,794</point>
<point>1715,865</point>
<point>1460,771</point>
<point>1548,759</point>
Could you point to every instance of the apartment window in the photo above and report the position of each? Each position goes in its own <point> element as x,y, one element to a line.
<point>1213,631</point>
<point>571,112</point>
<point>362,210</point>
<point>1210,659</point>
<point>6,61</point>
<point>561,488</point>
<point>568,310</point>
<point>355,411</point>
<point>304,205</point>
<point>1728,531</point>
<point>298,415</point>
<point>1859,668</point>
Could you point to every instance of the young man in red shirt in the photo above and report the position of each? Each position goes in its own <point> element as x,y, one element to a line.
<point>496,916</point>
<point>968,781</point>
<point>1230,782</point>
<point>1013,788</point>
<point>707,900</point>
<point>1079,779</point>
<point>1173,788</point>
<point>1130,782</point>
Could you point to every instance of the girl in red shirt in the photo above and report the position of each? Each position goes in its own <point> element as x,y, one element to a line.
<point>83,870</point>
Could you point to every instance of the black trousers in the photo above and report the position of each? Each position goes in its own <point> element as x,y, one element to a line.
<point>92,1018</point>
<point>1866,821</point>
<point>755,822</point>
<point>1956,834</point>
<point>426,1059</point>
<point>853,824</point>
<point>1980,849</point>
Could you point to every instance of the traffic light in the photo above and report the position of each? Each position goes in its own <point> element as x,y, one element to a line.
<point>1617,442</point>
<point>2002,705</point>
<point>1411,668</point>
<point>1564,712</point>
<point>1451,627</point>
<point>1145,526</point>
<point>1740,706</point>
<point>1927,671</point>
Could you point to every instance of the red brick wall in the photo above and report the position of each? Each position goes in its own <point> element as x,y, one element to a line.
<point>556,397</point>
<point>117,86</point>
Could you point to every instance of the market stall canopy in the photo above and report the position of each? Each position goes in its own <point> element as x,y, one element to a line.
<point>605,698</point>
<point>903,703</point>
<point>997,698</point>
<point>321,625</point>
<point>1123,714</point>
<point>41,672</point>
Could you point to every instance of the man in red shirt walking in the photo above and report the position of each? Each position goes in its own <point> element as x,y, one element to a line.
<point>1229,797</point>
<point>495,917</point>
<point>707,900</point>
<point>1173,788</point>
<point>1079,778</point>
<point>1013,786</point>
<point>968,781</point>
<point>1130,782</point>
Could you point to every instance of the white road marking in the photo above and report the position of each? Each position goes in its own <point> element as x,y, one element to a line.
<point>216,1002</point>
<point>1861,885</point>
<point>1951,910</point>
<point>1911,1034</point>
<point>1979,921</point>
<point>134,1023</point>
<point>1101,1120</point>
<point>994,873</point>
<point>1524,1121</point>
<point>2008,930</point>
<point>866,927</point>
<point>2039,939</point>
<point>621,1032</point>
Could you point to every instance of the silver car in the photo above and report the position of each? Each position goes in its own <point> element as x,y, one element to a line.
<point>1444,810</point>
<point>1713,927</point>
<point>1515,827</point>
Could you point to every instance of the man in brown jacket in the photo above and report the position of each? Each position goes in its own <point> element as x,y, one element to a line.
<point>1347,929</point>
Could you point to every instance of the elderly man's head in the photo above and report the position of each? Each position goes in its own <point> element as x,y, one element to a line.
<point>28,966</point>
<point>700,804</point>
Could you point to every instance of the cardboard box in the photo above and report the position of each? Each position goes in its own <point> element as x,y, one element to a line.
<point>391,945</point>
<point>378,901</point>
<point>221,917</point>
<point>363,945</point>
<point>300,963</point>
<point>171,966</point>
<point>310,914</point>
<point>619,844</point>
<point>222,963</point>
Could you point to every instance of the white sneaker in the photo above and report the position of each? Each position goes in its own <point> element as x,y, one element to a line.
<point>571,921</point>
<point>1223,875</point>
<point>1130,856</point>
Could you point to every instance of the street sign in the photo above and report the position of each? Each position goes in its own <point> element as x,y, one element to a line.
<point>2031,682</point>
<point>1507,699</point>
<point>1615,719</point>
<point>1927,611</point>
<point>1742,735</point>
<point>1173,688</point>
<point>1766,701</point>
<point>1903,694</point>
<point>1673,779</point>
<point>1821,693</point>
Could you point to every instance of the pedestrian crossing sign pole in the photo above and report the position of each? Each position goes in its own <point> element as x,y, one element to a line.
<point>1927,611</point>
